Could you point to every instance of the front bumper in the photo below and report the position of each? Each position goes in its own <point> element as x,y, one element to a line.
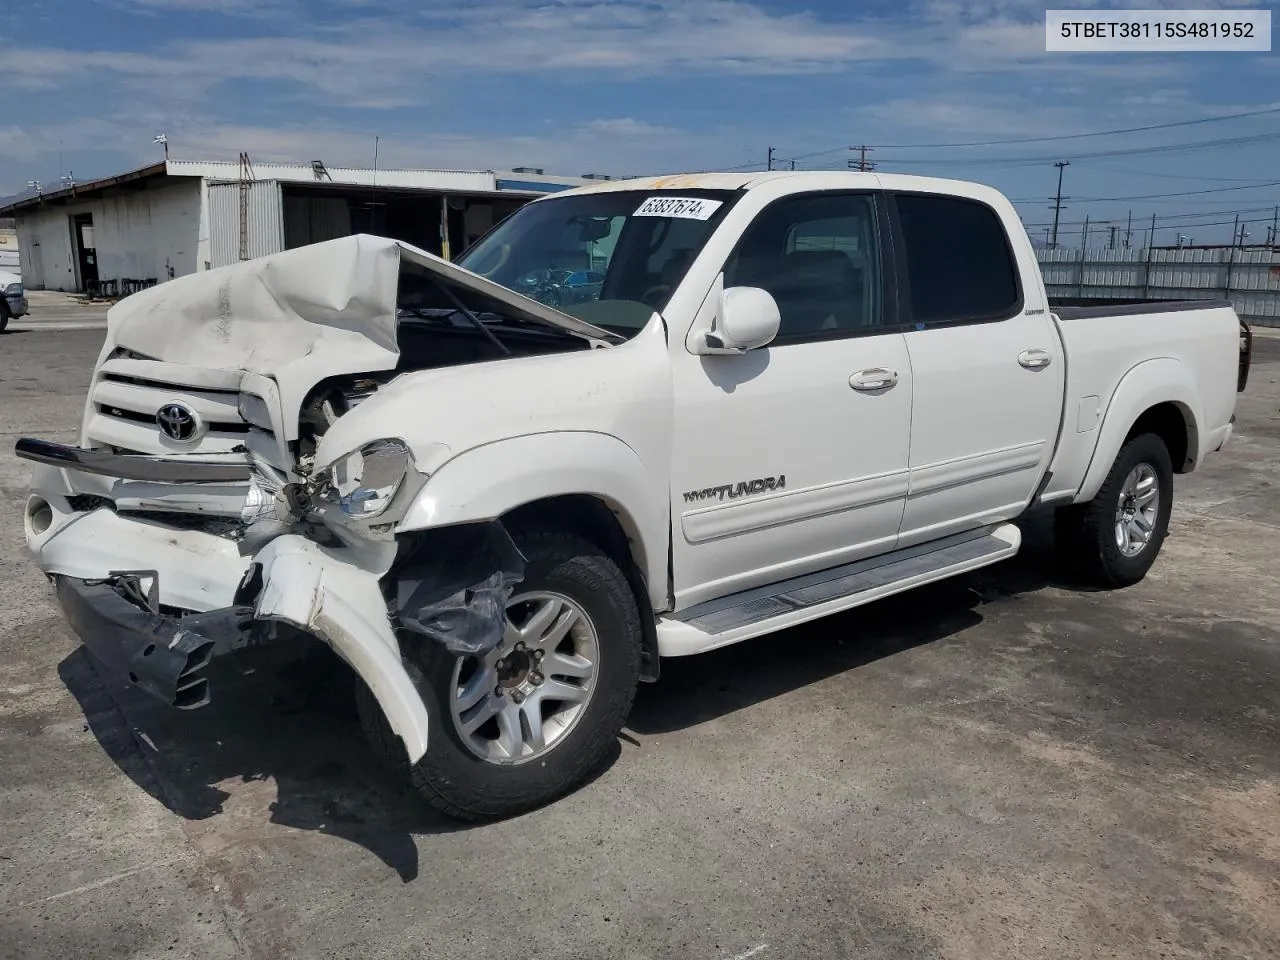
<point>17,306</point>
<point>116,575</point>
<point>163,655</point>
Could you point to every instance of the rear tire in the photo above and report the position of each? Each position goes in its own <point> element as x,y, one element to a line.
<point>465,774</point>
<point>1113,540</point>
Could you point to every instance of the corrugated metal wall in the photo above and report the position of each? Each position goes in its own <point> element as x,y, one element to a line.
<point>265,221</point>
<point>1248,278</point>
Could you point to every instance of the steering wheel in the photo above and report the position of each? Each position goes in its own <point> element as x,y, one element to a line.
<point>506,254</point>
<point>654,292</point>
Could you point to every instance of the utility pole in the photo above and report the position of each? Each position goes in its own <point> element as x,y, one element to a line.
<point>1275,219</point>
<point>1111,244</point>
<point>1151,239</point>
<point>771,158</point>
<point>1128,230</point>
<point>862,163</point>
<point>1236,239</point>
<point>1057,200</point>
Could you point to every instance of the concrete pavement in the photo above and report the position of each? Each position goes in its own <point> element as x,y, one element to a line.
<point>1004,766</point>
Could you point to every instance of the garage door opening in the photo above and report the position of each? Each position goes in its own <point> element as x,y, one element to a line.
<point>444,225</point>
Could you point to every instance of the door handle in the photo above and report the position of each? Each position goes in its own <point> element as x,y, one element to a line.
<point>877,378</point>
<point>1034,359</point>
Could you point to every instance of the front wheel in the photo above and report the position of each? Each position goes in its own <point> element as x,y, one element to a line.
<point>527,722</point>
<point>4,316</point>
<point>1115,538</point>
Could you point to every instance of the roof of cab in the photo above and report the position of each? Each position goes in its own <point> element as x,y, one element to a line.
<point>745,181</point>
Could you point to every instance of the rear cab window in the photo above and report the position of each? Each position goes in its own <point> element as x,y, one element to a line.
<point>957,264</point>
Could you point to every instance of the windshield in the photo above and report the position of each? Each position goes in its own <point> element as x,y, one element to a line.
<point>609,258</point>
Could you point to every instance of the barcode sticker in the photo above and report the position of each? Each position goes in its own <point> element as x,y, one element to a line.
<point>680,208</point>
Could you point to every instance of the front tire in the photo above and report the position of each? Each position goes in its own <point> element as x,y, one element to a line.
<point>4,316</point>
<point>528,722</point>
<point>1115,538</point>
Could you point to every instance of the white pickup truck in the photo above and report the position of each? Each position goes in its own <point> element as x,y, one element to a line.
<point>789,394</point>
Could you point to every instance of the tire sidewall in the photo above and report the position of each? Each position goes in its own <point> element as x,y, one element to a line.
<point>1151,450</point>
<point>599,587</point>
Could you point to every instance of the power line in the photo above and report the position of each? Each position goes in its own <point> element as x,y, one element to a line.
<point>1174,176</point>
<point>1078,136</point>
<point>1127,152</point>
<point>1158,196</point>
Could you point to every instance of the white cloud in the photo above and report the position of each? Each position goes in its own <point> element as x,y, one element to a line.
<point>625,127</point>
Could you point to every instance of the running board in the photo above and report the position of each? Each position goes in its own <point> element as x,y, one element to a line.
<point>752,613</point>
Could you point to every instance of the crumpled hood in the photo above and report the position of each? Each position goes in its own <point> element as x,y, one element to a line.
<point>336,296</point>
<point>300,316</point>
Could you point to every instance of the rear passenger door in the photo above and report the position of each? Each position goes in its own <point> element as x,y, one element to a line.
<point>986,363</point>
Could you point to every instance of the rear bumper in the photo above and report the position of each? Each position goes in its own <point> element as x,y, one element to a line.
<point>160,654</point>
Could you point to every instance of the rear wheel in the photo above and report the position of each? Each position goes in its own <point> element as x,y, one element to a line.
<point>528,721</point>
<point>1115,538</point>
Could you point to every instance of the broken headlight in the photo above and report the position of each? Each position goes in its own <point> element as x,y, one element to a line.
<point>363,483</point>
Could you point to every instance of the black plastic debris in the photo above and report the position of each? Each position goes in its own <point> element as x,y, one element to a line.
<point>455,589</point>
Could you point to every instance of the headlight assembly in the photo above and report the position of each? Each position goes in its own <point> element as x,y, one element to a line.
<point>363,483</point>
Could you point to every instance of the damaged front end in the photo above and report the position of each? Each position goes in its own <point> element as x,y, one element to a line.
<point>155,599</point>
<point>200,510</point>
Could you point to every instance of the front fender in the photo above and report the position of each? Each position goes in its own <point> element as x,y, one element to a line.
<point>488,481</point>
<point>1152,382</point>
<point>305,585</point>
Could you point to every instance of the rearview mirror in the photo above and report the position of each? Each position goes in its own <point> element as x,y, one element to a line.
<point>748,318</point>
<point>595,228</point>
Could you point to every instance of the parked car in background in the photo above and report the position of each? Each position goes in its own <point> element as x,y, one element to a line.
<point>581,286</point>
<point>13,298</point>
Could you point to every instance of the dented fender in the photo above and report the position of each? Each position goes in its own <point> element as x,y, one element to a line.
<point>486,482</point>
<point>325,594</point>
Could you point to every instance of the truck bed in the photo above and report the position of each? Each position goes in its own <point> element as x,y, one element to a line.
<point>1110,346</point>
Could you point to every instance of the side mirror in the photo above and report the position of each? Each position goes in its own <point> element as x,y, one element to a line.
<point>748,318</point>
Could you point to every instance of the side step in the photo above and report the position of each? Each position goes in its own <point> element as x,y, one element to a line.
<point>751,613</point>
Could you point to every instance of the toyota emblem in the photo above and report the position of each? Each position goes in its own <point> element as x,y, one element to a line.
<point>178,422</point>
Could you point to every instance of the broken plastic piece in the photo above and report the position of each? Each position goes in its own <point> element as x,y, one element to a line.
<point>455,589</point>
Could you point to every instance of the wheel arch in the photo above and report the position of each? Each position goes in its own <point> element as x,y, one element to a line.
<point>1157,396</point>
<point>592,484</point>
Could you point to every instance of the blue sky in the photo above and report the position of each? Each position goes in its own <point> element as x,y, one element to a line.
<point>631,87</point>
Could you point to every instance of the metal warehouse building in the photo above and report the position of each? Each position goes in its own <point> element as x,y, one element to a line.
<point>162,221</point>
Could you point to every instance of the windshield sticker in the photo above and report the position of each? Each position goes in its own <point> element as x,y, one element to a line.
<point>681,208</point>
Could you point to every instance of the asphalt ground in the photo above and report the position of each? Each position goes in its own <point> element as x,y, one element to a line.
<point>1002,766</point>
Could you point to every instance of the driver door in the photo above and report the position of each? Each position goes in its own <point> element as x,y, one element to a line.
<point>793,457</point>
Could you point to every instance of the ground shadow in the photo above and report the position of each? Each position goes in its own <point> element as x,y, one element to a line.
<point>288,713</point>
<point>291,720</point>
<point>693,690</point>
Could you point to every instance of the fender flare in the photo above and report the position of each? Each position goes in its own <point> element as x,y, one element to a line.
<point>1152,382</point>
<point>485,482</point>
